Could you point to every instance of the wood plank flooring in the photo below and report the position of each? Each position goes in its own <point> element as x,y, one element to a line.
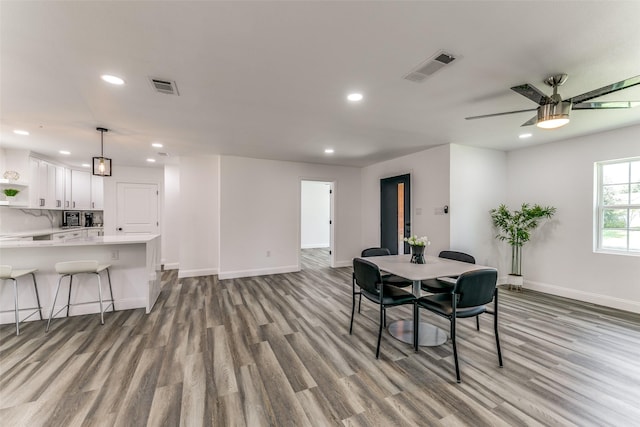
<point>275,351</point>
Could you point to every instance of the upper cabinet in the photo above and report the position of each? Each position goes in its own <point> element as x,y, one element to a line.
<point>46,190</point>
<point>80,190</point>
<point>97,192</point>
<point>44,184</point>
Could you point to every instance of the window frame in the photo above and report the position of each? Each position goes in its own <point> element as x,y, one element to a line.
<point>600,207</point>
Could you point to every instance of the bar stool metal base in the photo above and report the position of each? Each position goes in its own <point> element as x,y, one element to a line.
<point>9,274</point>
<point>97,270</point>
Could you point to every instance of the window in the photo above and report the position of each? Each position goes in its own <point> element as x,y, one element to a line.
<point>618,206</point>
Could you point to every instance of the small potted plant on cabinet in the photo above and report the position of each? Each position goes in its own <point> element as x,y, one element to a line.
<point>516,227</point>
<point>10,193</point>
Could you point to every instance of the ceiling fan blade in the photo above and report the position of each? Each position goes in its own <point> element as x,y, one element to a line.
<point>614,87</point>
<point>532,93</point>
<point>531,121</point>
<point>499,114</point>
<point>605,105</point>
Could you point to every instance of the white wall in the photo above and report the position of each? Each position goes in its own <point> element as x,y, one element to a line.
<point>315,214</point>
<point>559,259</point>
<point>172,213</point>
<point>260,212</point>
<point>429,171</point>
<point>478,184</point>
<point>198,221</point>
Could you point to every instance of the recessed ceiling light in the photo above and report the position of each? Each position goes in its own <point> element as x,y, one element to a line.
<point>21,132</point>
<point>355,97</point>
<point>157,145</point>
<point>86,165</point>
<point>329,151</point>
<point>114,80</point>
<point>524,135</point>
<point>151,160</point>
<point>65,152</point>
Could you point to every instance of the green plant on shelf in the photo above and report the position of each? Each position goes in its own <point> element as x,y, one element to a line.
<point>10,192</point>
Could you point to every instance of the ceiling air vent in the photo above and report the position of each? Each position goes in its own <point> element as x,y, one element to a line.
<point>430,66</point>
<point>164,86</point>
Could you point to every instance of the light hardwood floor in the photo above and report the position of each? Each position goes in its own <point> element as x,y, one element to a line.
<point>275,350</point>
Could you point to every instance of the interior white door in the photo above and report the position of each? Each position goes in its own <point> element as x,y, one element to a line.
<point>137,208</point>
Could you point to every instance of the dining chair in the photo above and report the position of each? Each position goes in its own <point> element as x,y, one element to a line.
<point>471,293</point>
<point>445,284</point>
<point>367,277</point>
<point>388,279</point>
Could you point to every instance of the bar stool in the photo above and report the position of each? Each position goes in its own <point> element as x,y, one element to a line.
<point>70,269</point>
<point>8,273</point>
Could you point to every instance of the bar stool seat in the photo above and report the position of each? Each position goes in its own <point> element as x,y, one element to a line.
<point>8,273</point>
<point>70,269</point>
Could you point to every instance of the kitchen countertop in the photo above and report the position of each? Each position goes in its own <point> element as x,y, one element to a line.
<point>86,241</point>
<point>45,231</point>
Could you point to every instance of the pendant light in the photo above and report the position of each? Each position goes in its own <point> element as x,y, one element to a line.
<point>102,165</point>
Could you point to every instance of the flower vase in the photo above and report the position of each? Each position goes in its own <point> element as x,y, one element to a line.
<point>417,254</point>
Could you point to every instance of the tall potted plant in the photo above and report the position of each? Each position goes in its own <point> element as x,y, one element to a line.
<point>516,227</point>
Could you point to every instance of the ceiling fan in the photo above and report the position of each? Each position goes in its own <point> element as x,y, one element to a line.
<point>553,112</point>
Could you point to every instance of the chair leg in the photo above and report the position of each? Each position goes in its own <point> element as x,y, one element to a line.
<point>69,299</point>
<point>15,301</point>
<point>359,303</point>
<point>353,309</point>
<point>416,326</point>
<point>478,322</point>
<point>380,331</point>
<point>35,286</point>
<point>53,305</point>
<point>495,327</point>
<point>113,301</point>
<point>100,298</point>
<point>455,349</point>
<point>385,317</point>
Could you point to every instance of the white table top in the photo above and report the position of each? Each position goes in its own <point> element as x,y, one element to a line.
<point>434,267</point>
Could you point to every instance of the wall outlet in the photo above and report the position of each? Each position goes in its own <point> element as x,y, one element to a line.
<point>418,211</point>
<point>115,255</point>
<point>268,254</point>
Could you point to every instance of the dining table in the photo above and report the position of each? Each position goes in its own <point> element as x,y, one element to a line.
<point>434,267</point>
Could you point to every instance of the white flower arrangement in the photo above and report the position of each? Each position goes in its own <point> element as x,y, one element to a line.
<point>417,241</point>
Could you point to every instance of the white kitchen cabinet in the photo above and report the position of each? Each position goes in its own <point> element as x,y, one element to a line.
<point>80,189</point>
<point>67,189</point>
<point>59,186</point>
<point>46,190</point>
<point>97,192</point>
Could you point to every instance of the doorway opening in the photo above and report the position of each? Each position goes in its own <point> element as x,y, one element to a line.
<point>316,224</point>
<point>395,213</point>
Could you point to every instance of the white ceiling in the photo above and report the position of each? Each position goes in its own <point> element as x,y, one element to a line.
<point>269,79</point>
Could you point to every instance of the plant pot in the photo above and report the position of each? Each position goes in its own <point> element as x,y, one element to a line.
<point>515,281</point>
<point>417,254</point>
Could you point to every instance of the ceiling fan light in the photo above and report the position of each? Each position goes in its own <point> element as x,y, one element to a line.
<point>553,116</point>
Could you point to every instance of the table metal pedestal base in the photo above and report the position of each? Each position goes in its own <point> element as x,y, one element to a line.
<point>430,335</point>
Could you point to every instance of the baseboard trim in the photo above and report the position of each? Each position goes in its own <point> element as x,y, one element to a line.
<point>590,297</point>
<point>197,272</point>
<point>171,266</point>
<point>343,264</point>
<point>77,310</point>
<point>258,272</point>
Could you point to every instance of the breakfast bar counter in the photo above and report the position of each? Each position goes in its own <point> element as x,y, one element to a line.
<point>135,271</point>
